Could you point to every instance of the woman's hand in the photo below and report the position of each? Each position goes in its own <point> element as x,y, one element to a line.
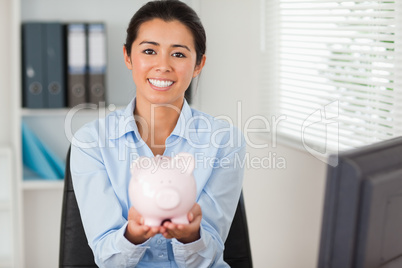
<point>185,233</point>
<point>136,231</point>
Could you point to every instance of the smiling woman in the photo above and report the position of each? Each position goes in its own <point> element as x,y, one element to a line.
<point>163,62</point>
<point>164,50</point>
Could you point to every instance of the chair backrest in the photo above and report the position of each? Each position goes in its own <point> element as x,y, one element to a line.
<point>237,251</point>
<point>74,248</point>
<point>75,251</point>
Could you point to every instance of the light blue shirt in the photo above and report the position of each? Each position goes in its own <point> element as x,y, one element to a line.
<point>100,166</point>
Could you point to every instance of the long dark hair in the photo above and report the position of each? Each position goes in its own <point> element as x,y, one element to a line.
<point>168,10</point>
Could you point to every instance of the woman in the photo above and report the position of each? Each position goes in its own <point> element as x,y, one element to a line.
<point>164,50</point>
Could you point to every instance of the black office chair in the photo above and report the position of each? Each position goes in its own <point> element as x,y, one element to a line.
<point>75,251</point>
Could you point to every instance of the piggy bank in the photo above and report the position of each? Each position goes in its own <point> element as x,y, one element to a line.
<point>163,188</point>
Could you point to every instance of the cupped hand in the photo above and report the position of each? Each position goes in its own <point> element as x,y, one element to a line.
<point>136,231</point>
<point>185,233</point>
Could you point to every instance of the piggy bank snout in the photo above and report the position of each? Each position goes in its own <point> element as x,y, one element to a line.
<point>167,198</point>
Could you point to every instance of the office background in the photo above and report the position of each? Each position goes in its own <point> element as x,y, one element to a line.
<point>283,204</point>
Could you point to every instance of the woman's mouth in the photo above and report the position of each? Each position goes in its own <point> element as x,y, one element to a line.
<point>160,84</point>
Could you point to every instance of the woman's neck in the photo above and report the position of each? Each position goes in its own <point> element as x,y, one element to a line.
<point>156,122</point>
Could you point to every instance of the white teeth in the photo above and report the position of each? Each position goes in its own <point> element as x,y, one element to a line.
<point>160,83</point>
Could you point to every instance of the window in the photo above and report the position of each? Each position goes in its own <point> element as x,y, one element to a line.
<point>334,70</point>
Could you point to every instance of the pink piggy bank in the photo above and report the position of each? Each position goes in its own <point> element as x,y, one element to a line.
<point>163,188</point>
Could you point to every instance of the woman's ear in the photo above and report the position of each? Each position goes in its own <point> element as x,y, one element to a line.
<point>127,59</point>
<point>198,68</point>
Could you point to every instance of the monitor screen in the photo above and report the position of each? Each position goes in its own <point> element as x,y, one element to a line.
<point>362,216</point>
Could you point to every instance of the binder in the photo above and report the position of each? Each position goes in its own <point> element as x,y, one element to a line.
<point>76,63</point>
<point>32,65</point>
<point>38,158</point>
<point>55,65</point>
<point>96,62</point>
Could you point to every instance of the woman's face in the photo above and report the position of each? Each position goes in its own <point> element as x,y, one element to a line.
<point>163,62</point>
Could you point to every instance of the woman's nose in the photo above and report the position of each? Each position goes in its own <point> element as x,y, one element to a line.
<point>164,64</point>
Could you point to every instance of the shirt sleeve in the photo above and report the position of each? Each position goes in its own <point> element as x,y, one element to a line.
<point>218,201</point>
<point>100,209</point>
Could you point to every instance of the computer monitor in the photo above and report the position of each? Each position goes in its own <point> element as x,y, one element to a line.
<point>362,217</point>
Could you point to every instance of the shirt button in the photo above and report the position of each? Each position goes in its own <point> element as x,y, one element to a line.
<point>159,241</point>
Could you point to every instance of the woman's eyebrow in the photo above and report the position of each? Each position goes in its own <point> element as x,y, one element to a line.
<point>182,46</point>
<point>150,43</point>
<point>157,44</point>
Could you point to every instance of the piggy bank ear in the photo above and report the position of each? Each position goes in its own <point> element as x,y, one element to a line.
<point>185,162</point>
<point>137,165</point>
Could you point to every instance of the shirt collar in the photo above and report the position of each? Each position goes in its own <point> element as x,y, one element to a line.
<point>126,123</point>
<point>183,121</point>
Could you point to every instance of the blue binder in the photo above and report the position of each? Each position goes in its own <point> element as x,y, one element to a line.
<point>32,62</point>
<point>55,65</point>
<point>38,158</point>
<point>43,61</point>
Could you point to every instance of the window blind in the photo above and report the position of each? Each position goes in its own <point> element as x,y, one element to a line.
<point>333,69</point>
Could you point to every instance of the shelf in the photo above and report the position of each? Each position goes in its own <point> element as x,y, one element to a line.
<point>85,108</point>
<point>41,184</point>
<point>58,112</point>
<point>44,112</point>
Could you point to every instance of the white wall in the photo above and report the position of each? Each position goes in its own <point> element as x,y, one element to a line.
<point>283,204</point>
<point>9,71</point>
<point>5,71</point>
<point>284,209</point>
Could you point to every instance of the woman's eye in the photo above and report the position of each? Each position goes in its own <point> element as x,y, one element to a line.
<point>149,52</point>
<point>178,55</point>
